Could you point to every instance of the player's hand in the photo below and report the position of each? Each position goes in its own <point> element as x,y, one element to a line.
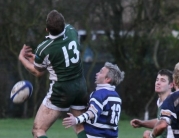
<point>146,134</point>
<point>136,123</point>
<point>30,57</point>
<point>69,121</point>
<point>26,52</point>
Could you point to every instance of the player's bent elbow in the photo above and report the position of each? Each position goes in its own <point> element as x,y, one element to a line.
<point>38,74</point>
<point>162,125</point>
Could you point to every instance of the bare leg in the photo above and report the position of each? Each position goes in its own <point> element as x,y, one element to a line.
<point>44,119</point>
<point>79,127</point>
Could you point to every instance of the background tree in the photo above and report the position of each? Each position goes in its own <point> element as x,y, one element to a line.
<point>138,37</point>
<point>141,44</point>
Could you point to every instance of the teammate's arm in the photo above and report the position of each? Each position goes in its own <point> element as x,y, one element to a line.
<point>167,113</point>
<point>158,129</point>
<point>136,123</point>
<point>27,59</point>
<point>91,113</point>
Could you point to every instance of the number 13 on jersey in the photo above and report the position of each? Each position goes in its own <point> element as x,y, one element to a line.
<point>116,110</point>
<point>71,46</point>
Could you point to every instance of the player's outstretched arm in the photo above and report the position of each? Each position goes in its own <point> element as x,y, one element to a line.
<point>158,129</point>
<point>27,58</point>
<point>71,120</point>
<point>136,123</point>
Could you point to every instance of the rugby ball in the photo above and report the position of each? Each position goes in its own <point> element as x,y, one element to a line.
<point>21,91</point>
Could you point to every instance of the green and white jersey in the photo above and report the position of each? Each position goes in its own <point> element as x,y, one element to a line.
<point>60,55</point>
<point>168,133</point>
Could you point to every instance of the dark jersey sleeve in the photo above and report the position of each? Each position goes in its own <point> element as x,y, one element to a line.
<point>168,110</point>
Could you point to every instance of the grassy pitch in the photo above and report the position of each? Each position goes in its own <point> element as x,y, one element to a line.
<point>21,128</point>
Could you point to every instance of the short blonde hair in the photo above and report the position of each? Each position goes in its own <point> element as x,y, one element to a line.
<point>176,74</point>
<point>114,73</point>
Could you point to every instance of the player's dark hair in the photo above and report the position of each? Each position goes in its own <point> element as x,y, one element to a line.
<point>167,73</point>
<point>55,22</point>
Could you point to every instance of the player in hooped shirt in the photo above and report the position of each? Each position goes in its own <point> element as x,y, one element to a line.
<point>104,110</point>
<point>169,114</point>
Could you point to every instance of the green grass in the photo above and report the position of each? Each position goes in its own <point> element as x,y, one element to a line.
<point>21,128</point>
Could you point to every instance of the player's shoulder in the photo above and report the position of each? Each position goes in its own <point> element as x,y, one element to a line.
<point>69,29</point>
<point>101,91</point>
<point>104,90</point>
<point>69,26</point>
<point>105,93</point>
<point>43,46</point>
<point>174,94</point>
<point>97,93</point>
<point>172,97</point>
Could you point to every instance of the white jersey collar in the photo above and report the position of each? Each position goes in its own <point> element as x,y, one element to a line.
<point>56,36</point>
<point>159,103</point>
<point>105,86</point>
